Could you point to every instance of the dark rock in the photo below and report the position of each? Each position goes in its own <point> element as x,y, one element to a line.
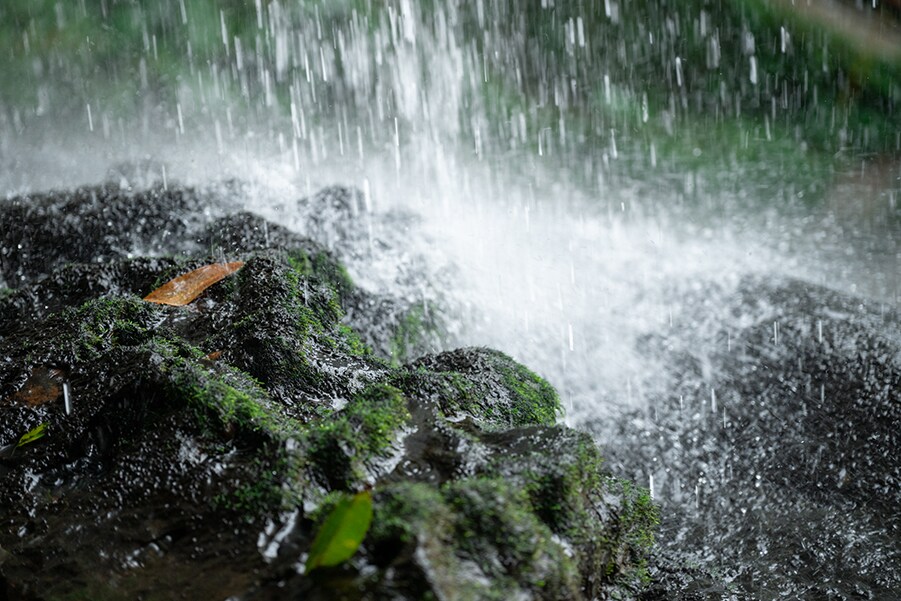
<point>485,385</point>
<point>194,451</point>
<point>334,216</point>
<point>93,225</point>
<point>786,399</point>
<point>340,219</point>
<point>108,223</point>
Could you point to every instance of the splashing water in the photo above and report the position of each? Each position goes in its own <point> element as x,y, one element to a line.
<point>576,208</point>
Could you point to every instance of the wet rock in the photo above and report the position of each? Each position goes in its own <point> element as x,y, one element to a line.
<point>196,450</point>
<point>786,397</point>
<point>393,328</point>
<point>167,229</point>
<point>334,215</point>
<point>343,220</point>
<point>88,225</point>
<point>485,385</point>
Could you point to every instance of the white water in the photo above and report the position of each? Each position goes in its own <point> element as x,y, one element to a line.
<point>564,279</point>
<point>565,272</point>
<point>563,276</point>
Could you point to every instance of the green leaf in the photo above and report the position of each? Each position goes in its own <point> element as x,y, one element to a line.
<point>344,529</point>
<point>32,436</point>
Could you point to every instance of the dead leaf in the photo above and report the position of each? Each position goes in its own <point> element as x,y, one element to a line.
<point>42,386</point>
<point>214,356</point>
<point>185,288</point>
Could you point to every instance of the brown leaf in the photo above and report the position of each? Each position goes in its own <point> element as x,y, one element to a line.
<point>214,356</point>
<point>185,288</point>
<point>42,386</point>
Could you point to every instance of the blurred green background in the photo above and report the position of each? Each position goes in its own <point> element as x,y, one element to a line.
<point>758,94</point>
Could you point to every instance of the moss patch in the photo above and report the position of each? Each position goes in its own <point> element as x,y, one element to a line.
<point>484,384</point>
<point>342,446</point>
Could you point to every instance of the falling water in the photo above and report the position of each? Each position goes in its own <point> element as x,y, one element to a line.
<point>558,157</point>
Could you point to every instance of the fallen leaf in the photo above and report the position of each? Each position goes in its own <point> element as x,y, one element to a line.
<point>342,532</point>
<point>32,435</point>
<point>9,450</point>
<point>185,288</point>
<point>42,386</point>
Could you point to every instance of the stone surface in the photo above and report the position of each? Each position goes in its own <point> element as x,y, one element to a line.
<point>786,398</point>
<point>194,451</point>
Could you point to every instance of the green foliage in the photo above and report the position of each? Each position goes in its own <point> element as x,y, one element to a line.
<point>832,93</point>
<point>343,531</point>
<point>817,107</point>
<point>97,49</point>
<point>32,435</point>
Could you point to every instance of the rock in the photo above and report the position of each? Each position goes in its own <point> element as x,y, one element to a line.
<point>784,398</point>
<point>195,451</point>
<point>335,216</point>
<point>93,225</point>
<point>485,385</point>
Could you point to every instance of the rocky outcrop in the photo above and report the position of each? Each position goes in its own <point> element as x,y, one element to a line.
<point>195,450</point>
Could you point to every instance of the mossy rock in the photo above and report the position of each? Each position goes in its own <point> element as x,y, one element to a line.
<point>485,385</point>
<point>198,447</point>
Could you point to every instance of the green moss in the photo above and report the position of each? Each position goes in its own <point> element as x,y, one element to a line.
<point>260,492</point>
<point>300,262</point>
<point>403,510</point>
<point>226,401</point>
<point>451,391</point>
<point>412,521</point>
<point>231,398</point>
<point>536,401</point>
<point>630,535</point>
<point>323,267</point>
<point>474,539</point>
<point>408,335</point>
<point>559,483</point>
<point>280,316</point>
<point>342,445</point>
<point>315,305</point>
<point>638,516</point>
<point>497,529</point>
<point>85,333</point>
<point>333,272</point>
<point>352,342</point>
<point>485,384</point>
<point>609,521</point>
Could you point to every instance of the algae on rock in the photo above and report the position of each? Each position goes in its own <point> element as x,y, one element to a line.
<point>208,439</point>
